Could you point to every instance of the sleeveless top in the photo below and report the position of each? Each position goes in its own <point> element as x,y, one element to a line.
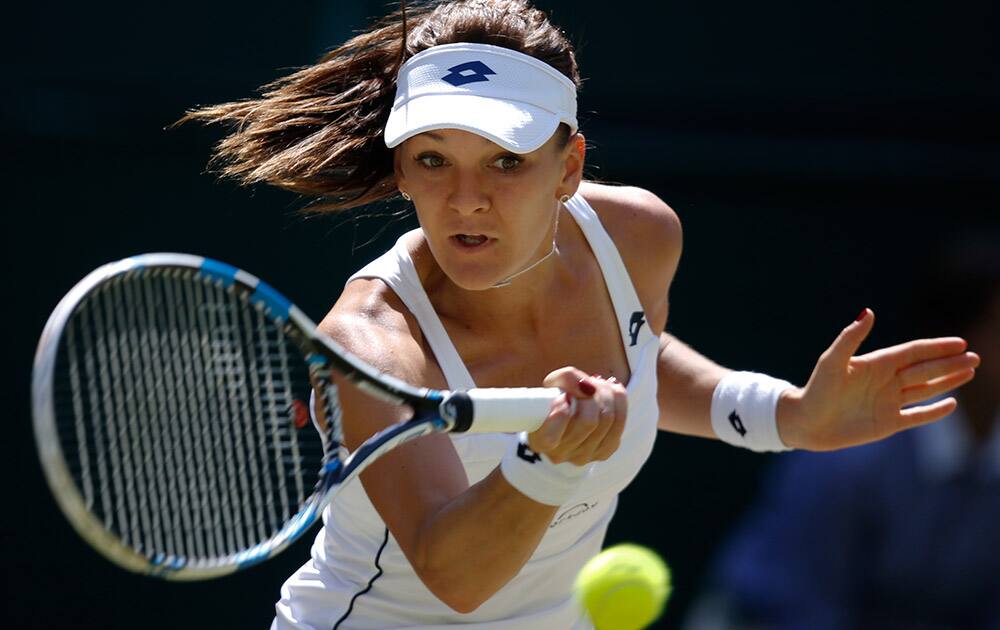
<point>358,577</point>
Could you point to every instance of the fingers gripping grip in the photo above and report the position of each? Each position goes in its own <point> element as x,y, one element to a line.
<point>500,410</point>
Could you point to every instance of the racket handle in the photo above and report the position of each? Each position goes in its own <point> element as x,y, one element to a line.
<point>505,409</point>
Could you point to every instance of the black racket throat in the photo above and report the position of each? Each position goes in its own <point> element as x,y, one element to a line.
<point>455,408</point>
<point>458,411</point>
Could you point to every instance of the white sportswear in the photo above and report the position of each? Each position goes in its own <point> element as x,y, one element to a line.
<point>358,578</point>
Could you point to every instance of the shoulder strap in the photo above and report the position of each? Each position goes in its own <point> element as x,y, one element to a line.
<point>632,322</point>
<point>396,269</point>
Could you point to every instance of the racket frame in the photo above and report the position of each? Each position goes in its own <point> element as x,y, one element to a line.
<point>435,411</point>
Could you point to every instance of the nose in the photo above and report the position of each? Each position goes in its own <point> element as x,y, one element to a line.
<point>468,193</point>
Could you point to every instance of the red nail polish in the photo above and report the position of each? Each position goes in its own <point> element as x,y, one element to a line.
<point>864,312</point>
<point>587,387</point>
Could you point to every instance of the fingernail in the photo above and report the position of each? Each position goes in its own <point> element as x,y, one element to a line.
<point>864,312</point>
<point>587,387</point>
<point>612,380</point>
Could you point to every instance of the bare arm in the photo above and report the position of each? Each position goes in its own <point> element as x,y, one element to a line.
<point>650,240</point>
<point>849,400</point>
<point>464,541</point>
<point>686,382</point>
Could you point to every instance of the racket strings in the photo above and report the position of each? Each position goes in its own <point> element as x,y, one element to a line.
<point>203,458</point>
<point>162,404</point>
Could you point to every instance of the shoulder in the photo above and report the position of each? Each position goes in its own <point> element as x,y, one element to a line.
<point>647,233</point>
<point>371,322</point>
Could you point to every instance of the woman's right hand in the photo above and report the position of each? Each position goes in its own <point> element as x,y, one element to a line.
<point>590,432</point>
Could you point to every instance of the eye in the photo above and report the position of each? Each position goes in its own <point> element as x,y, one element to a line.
<point>430,160</point>
<point>507,162</point>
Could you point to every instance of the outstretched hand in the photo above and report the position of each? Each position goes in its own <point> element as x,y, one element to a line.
<point>852,400</point>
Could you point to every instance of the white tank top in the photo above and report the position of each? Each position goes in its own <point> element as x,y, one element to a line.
<point>358,577</point>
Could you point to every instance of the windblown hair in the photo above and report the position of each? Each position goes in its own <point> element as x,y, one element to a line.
<point>319,131</point>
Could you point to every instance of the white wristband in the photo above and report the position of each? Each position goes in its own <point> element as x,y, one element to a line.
<point>743,411</point>
<point>538,478</point>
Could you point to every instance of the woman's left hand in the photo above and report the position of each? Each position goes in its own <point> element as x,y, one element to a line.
<point>852,400</point>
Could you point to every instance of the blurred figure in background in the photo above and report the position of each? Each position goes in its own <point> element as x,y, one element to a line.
<point>904,533</point>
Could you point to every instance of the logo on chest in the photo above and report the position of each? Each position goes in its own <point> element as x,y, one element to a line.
<point>634,325</point>
<point>573,512</point>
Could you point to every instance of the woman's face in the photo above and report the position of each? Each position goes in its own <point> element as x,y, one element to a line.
<point>487,213</point>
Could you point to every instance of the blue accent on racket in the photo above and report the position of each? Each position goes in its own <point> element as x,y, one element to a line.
<point>276,302</point>
<point>223,272</point>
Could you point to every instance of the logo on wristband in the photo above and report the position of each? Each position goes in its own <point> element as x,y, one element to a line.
<point>734,419</point>
<point>527,454</point>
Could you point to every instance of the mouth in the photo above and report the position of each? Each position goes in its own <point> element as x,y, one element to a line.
<point>470,241</point>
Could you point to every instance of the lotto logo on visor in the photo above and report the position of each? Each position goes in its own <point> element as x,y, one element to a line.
<point>503,95</point>
<point>470,72</point>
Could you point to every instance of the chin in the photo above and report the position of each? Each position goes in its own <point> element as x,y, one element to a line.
<point>474,282</point>
<point>471,276</point>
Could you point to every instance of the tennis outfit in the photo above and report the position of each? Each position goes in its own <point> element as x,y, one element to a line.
<point>358,577</point>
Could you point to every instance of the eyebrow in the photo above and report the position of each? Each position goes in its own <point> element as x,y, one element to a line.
<point>440,138</point>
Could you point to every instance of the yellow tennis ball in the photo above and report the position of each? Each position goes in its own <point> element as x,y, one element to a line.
<point>624,587</point>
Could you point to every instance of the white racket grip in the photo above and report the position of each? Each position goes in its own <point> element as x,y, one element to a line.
<point>512,409</point>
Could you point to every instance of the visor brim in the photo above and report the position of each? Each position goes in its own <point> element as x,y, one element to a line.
<point>514,125</point>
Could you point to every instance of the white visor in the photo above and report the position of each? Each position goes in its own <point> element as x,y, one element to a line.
<point>505,96</point>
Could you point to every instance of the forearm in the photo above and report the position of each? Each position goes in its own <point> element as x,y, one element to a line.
<point>473,545</point>
<point>686,380</point>
<point>465,542</point>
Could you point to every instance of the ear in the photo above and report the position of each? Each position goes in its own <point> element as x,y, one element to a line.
<point>573,161</point>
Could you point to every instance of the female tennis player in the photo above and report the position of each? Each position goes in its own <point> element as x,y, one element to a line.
<point>521,274</point>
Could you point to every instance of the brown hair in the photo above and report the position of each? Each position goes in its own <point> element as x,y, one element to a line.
<point>319,130</point>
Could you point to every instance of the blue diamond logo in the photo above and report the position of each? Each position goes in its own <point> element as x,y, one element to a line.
<point>469,72</point>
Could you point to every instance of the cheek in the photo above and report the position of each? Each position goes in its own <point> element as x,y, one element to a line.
<point>432,189</point>
<point>407,176</point>
<point>537,185</point>
<point>429,220</point>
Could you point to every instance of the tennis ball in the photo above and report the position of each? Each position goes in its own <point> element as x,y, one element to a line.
<point>623,588</point>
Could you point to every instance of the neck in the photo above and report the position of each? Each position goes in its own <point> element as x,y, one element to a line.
<point>506,282</point>
<point>554,250</point>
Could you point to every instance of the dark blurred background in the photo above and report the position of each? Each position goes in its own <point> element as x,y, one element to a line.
<point>815,153</point>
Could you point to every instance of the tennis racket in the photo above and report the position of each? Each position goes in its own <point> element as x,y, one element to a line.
<point>171,403</point>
